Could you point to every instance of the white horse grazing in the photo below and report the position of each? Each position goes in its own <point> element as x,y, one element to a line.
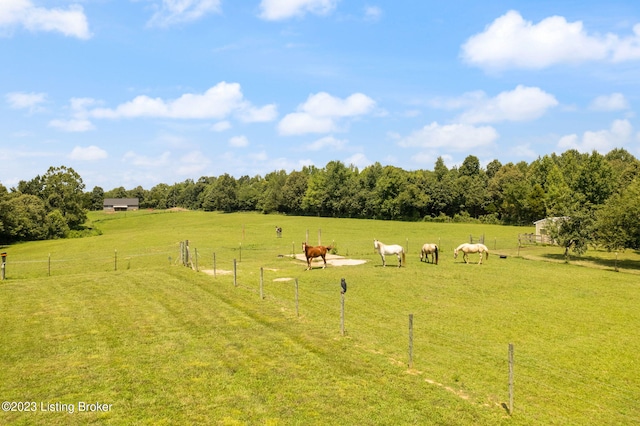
<point>429,249</point>
<point>471,248</point>
<point>384,249</point>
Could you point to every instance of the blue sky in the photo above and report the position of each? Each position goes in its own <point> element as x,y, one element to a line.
<point>141,92</point>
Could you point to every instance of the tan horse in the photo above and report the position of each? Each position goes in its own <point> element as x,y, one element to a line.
<point>467,248</point>
<point>312,252</point>
<point>429,249</point>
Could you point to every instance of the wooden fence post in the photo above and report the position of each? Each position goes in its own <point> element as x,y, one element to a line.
<point>510,378</point>
<point>261,283</point>
<point>196,254</point>
<point>297,304</point>
<point>235,273</point>
<point>410,340</point>
<point>342,314</point>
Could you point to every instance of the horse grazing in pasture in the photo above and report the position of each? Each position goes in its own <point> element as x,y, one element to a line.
<point>429,249</point>
<point>312,252</point>
<point>384,249</point>
<point>471,248</point>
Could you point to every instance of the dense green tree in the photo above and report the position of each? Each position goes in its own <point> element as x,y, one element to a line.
<point>96,199</point>
<point>25,217</point>
<point>249,192</point>
<point>618,220</point>
<point>293,191</point>
<point>595,179</point>
<point>63,190</point>
<point>470,166</point>
<point>575,231</point>
<point>221,194</point>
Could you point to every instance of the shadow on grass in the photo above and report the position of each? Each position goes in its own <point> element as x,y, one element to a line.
<point>597,261</point>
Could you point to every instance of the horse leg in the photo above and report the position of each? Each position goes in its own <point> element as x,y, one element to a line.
<point>465,257</point>
<point>480,262</point>
<point>383,261</point>
<point>399,261</point>
<point>325,262</point>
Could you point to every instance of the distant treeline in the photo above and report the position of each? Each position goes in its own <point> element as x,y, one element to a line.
<point>596,191</point>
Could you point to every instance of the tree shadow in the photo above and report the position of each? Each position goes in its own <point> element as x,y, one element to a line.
<point>596,260</point>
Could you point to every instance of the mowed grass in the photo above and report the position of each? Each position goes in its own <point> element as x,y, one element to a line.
<point>118,321</point>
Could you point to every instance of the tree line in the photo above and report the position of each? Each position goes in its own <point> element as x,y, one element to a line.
<point>596,195</point>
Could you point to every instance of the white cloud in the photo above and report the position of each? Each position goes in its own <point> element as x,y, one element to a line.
<point>149,162</point>
<point>612,102</point>
<point>521,104</point>
<point>276,10</point>
<point>172,12</point>
<point>239,141</point>
<point>510,41</point>
<point>372,13</point>
<point>221,126</point>
<point>192,164</point>
<point>70,22</point>
<point>603,141</point>
<point>328,142</point>
<point>628,49</point>
<point>320,113</point>
<point>455,137</point>
<point>218,102</point>
<point>31,101</point>
<point>252,114</point>
<point>72,125</point>
<point>299,123</point>
<point>90,153</point>
<point>359,160</point>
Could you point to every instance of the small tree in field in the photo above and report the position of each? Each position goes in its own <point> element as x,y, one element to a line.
<point>573,232</point>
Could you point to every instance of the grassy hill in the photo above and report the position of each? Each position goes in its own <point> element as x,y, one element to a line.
<point>115,319</point>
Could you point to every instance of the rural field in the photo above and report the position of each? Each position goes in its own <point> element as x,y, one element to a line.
<point>113,329</point>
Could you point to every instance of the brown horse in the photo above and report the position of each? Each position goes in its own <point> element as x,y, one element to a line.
<point>312,252</point>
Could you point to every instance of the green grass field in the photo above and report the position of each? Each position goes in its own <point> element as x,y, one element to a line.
<point>115,319</point>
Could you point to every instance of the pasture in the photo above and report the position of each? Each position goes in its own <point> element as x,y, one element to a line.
<point>116,319</point>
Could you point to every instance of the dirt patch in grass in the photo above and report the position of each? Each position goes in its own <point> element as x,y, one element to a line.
<point>218,272</point>
<point>332,259</point>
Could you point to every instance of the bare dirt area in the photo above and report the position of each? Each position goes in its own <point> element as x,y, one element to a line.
<point>332,259</point>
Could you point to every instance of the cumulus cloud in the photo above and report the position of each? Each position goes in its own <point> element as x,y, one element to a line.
<point>71,22</point>
<point>30,101</point>
<point>328,142</point>
<point>512,42</point>
<point>239,141</point>
<point>138,160</point>
<point>72,125</point>
<point>321,113</point>
<point>277,10</point>
<point>191,164</point>
<point>455,137</point>
<point>221,126</point>
<point>521,104</point>
<point>603,141</point>
<point>218,102</point>
<point>89,153</point>
<point>612,102</point>
<point>172,12</point>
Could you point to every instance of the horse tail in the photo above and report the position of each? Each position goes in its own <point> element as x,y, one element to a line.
<point>404,262</point>
<point>487,254</point>
<point>436,253</point>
